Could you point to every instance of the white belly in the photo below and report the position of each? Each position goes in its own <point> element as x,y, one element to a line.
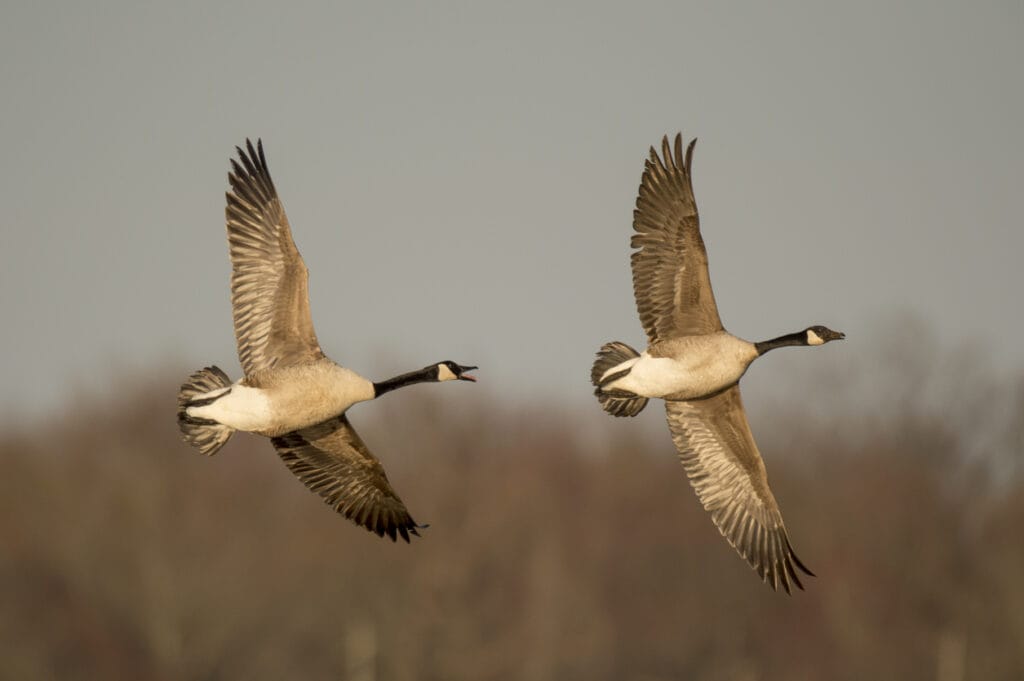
<point>244,408</point>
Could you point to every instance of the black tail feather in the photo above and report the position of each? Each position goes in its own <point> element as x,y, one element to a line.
<point>206,435</point>
<point>615,402</point>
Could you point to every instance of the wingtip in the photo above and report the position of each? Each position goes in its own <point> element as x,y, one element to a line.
<point>406,531</point>
<point>653,161</point>
<point>792,576</point>
<point>796,559</point>
<point>672,154</point>
<point>688,161</point>
<point>259,148</point>
<point>249,154</point>
<point>250,169</point>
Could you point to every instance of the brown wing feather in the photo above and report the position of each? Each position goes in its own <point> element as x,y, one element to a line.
<point>332,460</point>
<point>725,468</point>
<point>269,280</point>
<point>670,268</point>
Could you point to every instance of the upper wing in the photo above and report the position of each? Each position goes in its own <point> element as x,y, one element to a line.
<point>331,459</point>
<point>670,268</point>
<point>269,281</point>
<point>726,470</point>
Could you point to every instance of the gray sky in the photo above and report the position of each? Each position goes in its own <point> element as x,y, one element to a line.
<point>460,179</point>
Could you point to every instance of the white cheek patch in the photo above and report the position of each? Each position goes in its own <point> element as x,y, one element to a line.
<point>445,374</point>
<point>813,338</point>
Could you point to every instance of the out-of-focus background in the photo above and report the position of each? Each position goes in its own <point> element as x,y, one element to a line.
<point>460,181</point>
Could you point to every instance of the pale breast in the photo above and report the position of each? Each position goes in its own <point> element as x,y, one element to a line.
<point>305,395</point>
<point>688,368</point>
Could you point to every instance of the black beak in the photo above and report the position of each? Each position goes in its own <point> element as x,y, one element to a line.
<point>464,376</point>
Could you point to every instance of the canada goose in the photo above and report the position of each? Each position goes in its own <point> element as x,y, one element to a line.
<point>695,365</point>
<point>291,392</point>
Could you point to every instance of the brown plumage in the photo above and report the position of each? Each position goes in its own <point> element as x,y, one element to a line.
<point>725,468</point>
<point>274,330</point>
<point>291,391</point>
<point>674,298</point>
<point>695,365</point>
<point>332,460</point>
<point>269,280</point>
<point>670,266</point>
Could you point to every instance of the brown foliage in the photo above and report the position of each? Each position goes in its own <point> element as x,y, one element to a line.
<point>126,555</point>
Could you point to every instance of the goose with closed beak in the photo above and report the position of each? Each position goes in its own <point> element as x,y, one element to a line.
<point>291,392</point>
<point>694,365</point>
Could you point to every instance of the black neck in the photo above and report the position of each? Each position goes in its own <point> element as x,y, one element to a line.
<point>421,376</point>
<point>797,338</point>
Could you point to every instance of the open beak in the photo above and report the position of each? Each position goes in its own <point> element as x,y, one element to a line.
<point>464,376</point>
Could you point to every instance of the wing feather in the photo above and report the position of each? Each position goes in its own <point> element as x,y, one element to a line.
<point>269,280</point>
<point>331,459</point>
<point>670,266</point>
<point>724,466</point>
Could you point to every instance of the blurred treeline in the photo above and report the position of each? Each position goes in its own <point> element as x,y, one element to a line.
<point>562,545</point>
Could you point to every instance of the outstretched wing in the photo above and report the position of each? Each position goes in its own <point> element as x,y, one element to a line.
<point>332,460</point>
<point>670,268</point>
<point>726,470</point>
<point>269,280</point>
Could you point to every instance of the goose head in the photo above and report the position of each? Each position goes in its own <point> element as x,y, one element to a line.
<point>819,335</point>
<point>450,371</point>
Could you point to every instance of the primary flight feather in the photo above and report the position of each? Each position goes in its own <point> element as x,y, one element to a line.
<point>291,392</point>
<point>694,365</point>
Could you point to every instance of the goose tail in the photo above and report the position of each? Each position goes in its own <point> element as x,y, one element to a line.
<point>615,402</point>
<point>202,388</point>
